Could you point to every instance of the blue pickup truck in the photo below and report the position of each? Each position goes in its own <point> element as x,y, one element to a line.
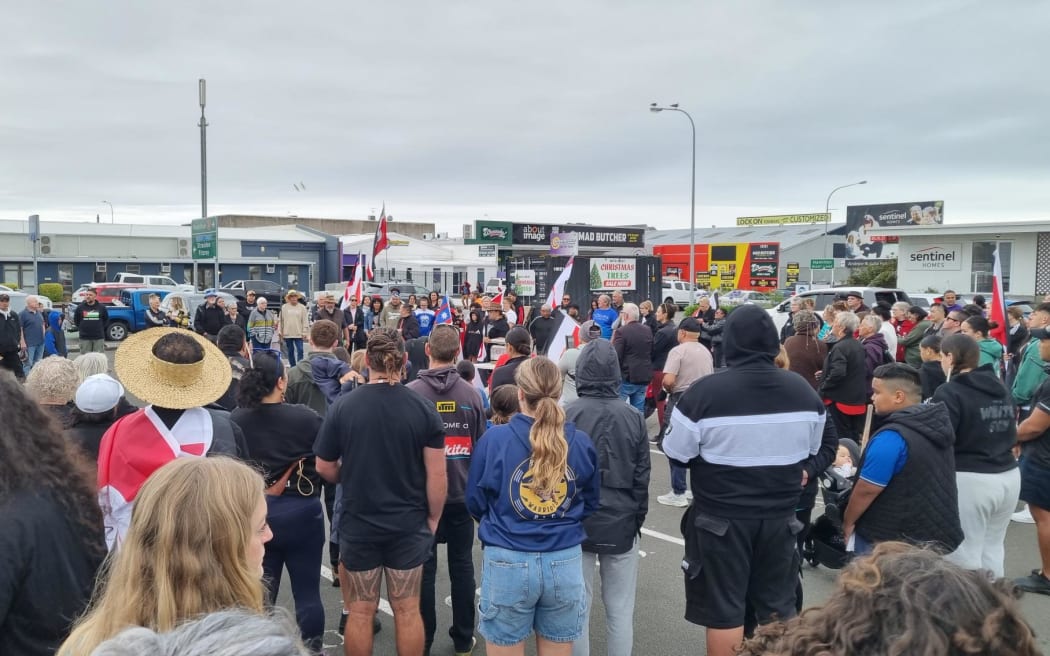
<point>130,316</point>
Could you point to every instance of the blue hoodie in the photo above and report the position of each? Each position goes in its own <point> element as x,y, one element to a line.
<point>326,374</point>
<point>510,516</point>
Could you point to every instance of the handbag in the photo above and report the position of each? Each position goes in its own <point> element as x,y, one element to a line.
<point>277,489</point>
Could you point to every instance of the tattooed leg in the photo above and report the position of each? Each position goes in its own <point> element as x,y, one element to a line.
<point>402,589</point>
<point>362,593</point>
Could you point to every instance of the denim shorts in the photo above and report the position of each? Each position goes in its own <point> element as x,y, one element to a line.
<point>522,592</point>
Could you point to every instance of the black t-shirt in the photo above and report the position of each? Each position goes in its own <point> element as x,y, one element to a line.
<point>380,432</point>
<point>278,435</point>
<point>1039,448</point>
<point>504,375</point>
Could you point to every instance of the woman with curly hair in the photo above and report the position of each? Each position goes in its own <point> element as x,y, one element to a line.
<point>905,600</point>
<point>280,440</point>
<point>195,546</point>
<point>53,383</point>
<point>52,543</point>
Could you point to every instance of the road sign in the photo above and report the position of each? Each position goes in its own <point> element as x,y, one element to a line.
<point>822,264</point>
<point>205,234</point>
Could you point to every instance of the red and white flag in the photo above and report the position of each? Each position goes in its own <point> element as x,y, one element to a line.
<point>134,447</point>
<point>558,288</point>
<point>354,288</point>
<point>998,311</point>
<point>567,332</point>
<point>380,242</point>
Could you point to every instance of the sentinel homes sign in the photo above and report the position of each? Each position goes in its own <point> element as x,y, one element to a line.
<point>939,257</point>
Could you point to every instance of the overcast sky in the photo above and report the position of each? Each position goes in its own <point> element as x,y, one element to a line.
<point>452,111</point>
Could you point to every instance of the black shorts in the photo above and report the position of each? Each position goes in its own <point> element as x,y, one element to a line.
<point>1035,484</point>
<point>735,564</point>
<point>402,552</point>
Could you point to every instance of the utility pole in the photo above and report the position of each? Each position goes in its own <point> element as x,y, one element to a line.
<point>202,85</point>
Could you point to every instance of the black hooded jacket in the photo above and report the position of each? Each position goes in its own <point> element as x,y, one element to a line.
<point>982,413</point>
<point>843,377</point>
<point>473,337</point>
<point>621,440</point>
<point>920,504</point>
<point>749,433</point>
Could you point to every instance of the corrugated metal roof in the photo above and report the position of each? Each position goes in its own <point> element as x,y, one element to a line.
<point>788,235</point>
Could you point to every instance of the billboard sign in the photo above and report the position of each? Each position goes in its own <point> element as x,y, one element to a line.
<point>939,257</point>
<point>525,282</point>
<point>492,232</point>
<point>763,261</point>
<point>781,219</point>
<point>564,244</point>
<point>609,273</point>
<point>540,234</point>
<point>861,219</point>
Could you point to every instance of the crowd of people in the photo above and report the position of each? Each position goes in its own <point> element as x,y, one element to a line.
<point>169,527</point>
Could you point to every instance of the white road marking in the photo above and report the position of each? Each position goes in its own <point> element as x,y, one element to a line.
<point>663,536</point>
<point>326,572</point>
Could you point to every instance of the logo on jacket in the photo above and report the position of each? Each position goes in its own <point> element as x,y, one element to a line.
<point>530,505</point>
<point>458,447</point>
<point>446,406</point>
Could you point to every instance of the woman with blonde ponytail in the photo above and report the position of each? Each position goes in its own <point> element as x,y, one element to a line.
<point>532,482</point>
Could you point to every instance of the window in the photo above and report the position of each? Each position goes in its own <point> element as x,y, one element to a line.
<point>723,253</point>
<point>254,272</point>
<point>65,277</point>
<point>293,276</point>
<point>133,268</point>
<point>983,264</point>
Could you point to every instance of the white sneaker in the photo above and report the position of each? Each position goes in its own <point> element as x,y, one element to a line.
<point>1023,516</point>
<point>672,499</point>
<point>689,495</point>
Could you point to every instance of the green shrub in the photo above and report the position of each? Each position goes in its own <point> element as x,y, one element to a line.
<point>12,285</point>
<point>52,290</point>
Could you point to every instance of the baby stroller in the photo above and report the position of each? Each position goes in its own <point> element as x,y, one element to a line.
<point>825,545</point>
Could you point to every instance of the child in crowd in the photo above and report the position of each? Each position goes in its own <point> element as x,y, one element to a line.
<point>843,464</point>
<point>931,374</point>
<point>504,404</point>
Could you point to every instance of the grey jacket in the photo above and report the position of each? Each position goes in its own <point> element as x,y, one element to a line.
<point>620,438</point>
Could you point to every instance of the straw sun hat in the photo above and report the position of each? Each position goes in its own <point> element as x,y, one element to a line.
<point>169,385</point>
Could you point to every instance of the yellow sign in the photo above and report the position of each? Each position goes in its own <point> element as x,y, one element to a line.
<point>782,219</point>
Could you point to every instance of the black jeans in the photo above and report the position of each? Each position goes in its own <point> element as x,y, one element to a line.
<point>456,530</point>
<point>329,491</point>
<point>298,538</point>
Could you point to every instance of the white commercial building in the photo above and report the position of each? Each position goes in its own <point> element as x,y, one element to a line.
<point>961,257</point>
<point>439,264</point>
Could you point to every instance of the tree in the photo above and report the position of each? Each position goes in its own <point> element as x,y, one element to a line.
<point>596,277</point>
<point>878,274</point>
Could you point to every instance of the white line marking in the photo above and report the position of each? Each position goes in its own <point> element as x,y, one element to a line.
<point>326,572</point>
<point>663,536</point>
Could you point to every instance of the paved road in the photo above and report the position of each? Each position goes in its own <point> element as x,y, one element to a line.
<point>659,627</point>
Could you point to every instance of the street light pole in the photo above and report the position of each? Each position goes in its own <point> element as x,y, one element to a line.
<point>827,217</point>
<point>203,125</point>
<point>110,210</point>
<point>653,107</point>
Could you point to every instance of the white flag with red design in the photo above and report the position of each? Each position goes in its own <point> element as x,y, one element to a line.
<point>568,331</point>
<point>558,288</point>
<point>998,311</point>
<point>354,288</point>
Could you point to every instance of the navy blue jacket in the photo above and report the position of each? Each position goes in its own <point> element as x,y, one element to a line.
<point>509,514</point>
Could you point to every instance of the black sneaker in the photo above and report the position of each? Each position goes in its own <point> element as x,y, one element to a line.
<point>342,622</point>
<point>1035,582</point>
<point>335,575</point>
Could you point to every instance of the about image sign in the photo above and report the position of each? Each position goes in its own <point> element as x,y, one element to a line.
<point>939,257</point>
<point>609,273</point>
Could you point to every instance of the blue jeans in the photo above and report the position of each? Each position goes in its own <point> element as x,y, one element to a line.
<point>295,349</point>
<point>619,574</point>
<point>34,354</point>
<point>677,478</point>
<point>634,393</point>
<point>456,531</point>
<point>298,538</point>
<point>526,591</point>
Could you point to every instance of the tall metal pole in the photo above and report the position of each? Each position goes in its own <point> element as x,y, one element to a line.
<point>204,174</point>
<point>692,200</point>
<point>827,217</point>
<point>110,210</point>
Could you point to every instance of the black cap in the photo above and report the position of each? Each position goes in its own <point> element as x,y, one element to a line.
<point>690,325</point>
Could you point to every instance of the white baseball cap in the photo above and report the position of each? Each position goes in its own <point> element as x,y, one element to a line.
<point>98,393</point>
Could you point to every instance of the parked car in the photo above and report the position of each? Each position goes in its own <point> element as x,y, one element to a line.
<point>826,296</point>
<point>405,288</point>
<point>679,292</point>
<point>268,289</point>
<point>18,300</point>
<point>130,316</point>
<point>191,301</point>
<point>744,297</point>
<point>155,282</point>
<point>107,293</point>
<point>494,286</point>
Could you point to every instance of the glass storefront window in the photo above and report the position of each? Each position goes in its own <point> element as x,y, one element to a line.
<point>983,263</point>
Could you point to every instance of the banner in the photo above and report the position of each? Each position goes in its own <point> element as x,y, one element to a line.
<point>609,273</point>
<point>525,282</point>
<point>781,219</point>
<point>939,257</point>
<point>861,219</point>
<point>564,244</point>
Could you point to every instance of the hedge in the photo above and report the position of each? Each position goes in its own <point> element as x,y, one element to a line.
<point>52,290</point>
